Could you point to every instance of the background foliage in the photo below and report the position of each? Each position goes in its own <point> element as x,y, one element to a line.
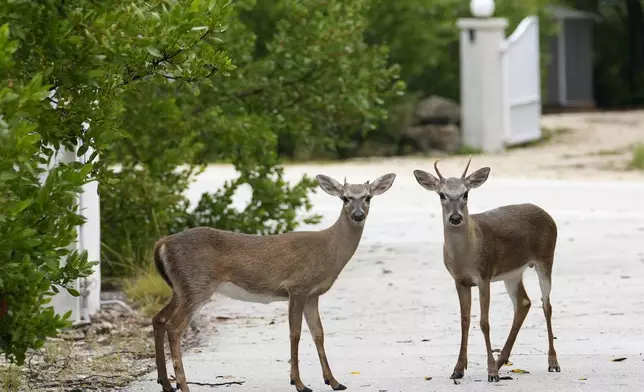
<point>303,76</point>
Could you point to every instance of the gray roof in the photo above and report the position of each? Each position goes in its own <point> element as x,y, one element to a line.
<point>560,12</point>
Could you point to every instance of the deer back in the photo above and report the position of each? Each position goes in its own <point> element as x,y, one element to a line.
<point>509,237</point>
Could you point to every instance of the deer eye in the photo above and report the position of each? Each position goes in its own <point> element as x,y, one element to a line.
<point>442,196</point>
<point>465,195</point>
<point>345,199</point>
<point>367,198</point>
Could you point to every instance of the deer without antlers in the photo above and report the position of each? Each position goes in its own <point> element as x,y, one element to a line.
<point>297,267</point>
<point>491,246</point>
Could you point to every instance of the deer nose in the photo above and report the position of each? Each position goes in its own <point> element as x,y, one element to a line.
<point>358,216</point>
<point>456,219</point>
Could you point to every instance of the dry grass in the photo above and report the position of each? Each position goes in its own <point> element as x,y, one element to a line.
<point>147,291</point>
<point>10,378</point>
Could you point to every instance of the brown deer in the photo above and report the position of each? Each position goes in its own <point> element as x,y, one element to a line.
<point>492,246</point>
<point>297,267</point>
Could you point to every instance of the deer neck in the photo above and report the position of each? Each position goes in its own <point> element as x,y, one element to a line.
<point>344,238</point>
<point>460,240</point>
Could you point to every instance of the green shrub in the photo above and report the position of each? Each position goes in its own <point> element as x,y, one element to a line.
<point>82,56</point>
<point>37,221</point>
<point>303,74</point>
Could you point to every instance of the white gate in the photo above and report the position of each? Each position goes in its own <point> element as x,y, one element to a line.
<point>522,84</point>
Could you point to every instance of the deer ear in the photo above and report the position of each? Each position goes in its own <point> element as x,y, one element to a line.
<point>382,184</point>
<point>477,178</point>
<point>329,185</point>
<point>426,180</point>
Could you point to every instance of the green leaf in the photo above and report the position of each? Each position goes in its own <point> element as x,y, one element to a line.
<point>73,292</point>
<point>22,205</point>
<point>154,51</point>
<point>8,175</point>
<point>82,150</point>
<point>52,264</point>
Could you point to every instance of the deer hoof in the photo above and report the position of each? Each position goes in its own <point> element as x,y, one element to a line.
<point>457,375</point>
<point>494,378</point>
<point>166,390</point>
<point>339,387</point>
<point>554,368</point>
<point>304,389</point>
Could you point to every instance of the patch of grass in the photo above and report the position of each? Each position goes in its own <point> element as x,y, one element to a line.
<point>467,150</point>
<point>10,379</point>
<point>147,290</point>
<point>318,161</point>
<point>614,151</point>
<point>548,133</point>
<point>638,156</point>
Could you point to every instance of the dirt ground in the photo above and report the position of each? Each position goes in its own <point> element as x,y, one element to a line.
<point>116,349</point>
<point>583,146</point>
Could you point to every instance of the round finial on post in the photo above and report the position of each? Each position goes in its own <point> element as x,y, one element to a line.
<point>482,8</point>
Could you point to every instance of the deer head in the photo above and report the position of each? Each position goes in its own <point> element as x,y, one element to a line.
<point>453,192</point>
<point>356,197</point>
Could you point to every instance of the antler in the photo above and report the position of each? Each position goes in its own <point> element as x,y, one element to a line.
<point>467,167</point>
<point>345,180</point>
<point>440,176</point>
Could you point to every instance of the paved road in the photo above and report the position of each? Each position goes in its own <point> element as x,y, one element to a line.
<point>393,314</point>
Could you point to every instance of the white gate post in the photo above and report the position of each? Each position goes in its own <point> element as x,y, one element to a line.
<point>88,239</point>
<point>481,60</point>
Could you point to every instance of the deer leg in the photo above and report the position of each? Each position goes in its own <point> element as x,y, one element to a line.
<point>159,324</point>
<point>521,303</point>
<point>484,298</point>
<point>312,317</point>
<point>295,308</point>
<point>465,301</point>
<point>545,284</point>
<point>176,327</point>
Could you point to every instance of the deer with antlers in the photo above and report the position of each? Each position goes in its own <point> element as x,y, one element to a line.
<point>495,245</point>
<point>297,267</point>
